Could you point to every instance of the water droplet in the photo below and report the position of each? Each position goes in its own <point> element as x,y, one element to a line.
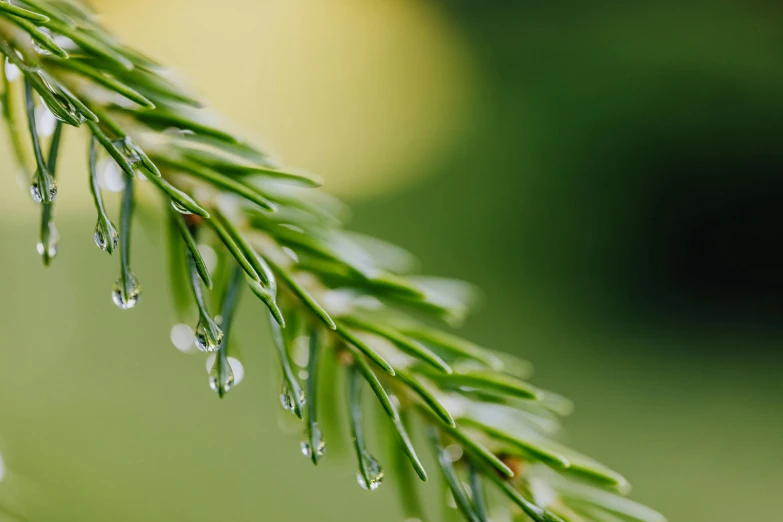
<point>209,256</point>
<point>12,72</point>
<point>45,121</point>
<point>38,47</point>
<point>106,235</point>
<point>208,335</point>
<point>64,42</point>
<point>72,111</point>
<point>183,339</point>
<point>179,208</point>
<point>293,227</point>
<point>22,179</point>
<point>320,444</point>
<point>290,253</point>
<point>238,368</point>
<point>35,189</point>
<point>287,398</point>
<point>133,291</point>
<point>300,351</point>
<point>374,473</point>
<point>2,468</point>
<point>134,158</point>
<point>64,103</point>
<point>129,149</point>
<point>454,452</point>
<point>395,401</point>
<point>110,176</point>
<point>52,243</point>
<point>320,448</point>
<point>221,377</point>
<point>236,365</point>
<point>542,492</point>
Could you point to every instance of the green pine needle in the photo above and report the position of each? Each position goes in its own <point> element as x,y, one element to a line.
<point>350,296</point>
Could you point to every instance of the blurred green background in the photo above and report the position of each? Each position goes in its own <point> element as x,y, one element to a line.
<point>610,173</point>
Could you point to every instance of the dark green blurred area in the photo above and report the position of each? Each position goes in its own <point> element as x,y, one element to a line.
<point>618,200</point>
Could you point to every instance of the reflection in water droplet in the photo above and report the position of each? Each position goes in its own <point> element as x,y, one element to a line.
<point>35,190</point>
<point>38,47</point>
<point>133,293</point>
<point>374,473</point>
<point>221,378</point>
<point>2,468</point>
<point>129,150</point>
<point>320,444</point>
<point>236,366</point>
<point>52,242</point>
<point>287,397</point>
<point>305,447</point>
<point>64,103</point>
<point>179,208</point>
<point>105,234</point>
<point>208,335</point>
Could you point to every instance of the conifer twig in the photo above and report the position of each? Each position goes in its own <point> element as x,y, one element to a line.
<point>350,297</point>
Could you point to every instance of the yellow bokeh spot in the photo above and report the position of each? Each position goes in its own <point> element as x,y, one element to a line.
<point>366,94</point>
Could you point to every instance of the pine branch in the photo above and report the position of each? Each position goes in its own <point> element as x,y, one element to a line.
<point>351,296</point>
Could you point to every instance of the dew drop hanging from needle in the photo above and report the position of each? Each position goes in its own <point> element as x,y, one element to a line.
<point>36,192</point>
<point>129,150</point>
<point>221,377</point>
<point>208,335</point>
<point>287,398</point>
<point>237,368</point>
<point>38,47</point>
<point>52,243</point>
<point>106,236</point>
<point>374,473</point>
<point>319,443</point>
<point>133,293</point>
<point>179,208</point>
